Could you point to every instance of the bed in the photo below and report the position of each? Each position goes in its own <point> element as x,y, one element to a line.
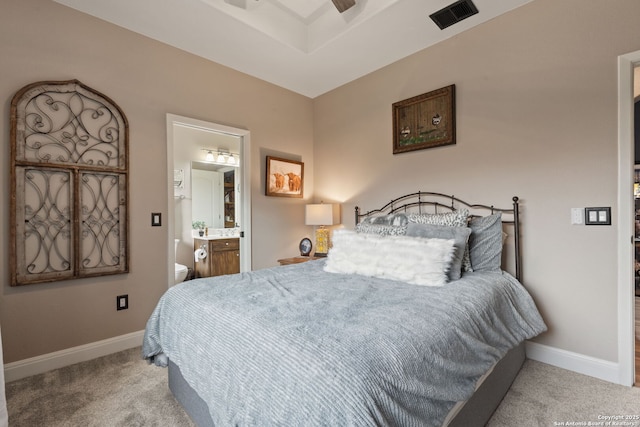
<point>396,327</point>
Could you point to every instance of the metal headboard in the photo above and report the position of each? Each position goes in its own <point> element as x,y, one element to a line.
<point>447,203</point>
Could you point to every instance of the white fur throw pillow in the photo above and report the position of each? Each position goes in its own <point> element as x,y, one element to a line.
<point>414,260</point>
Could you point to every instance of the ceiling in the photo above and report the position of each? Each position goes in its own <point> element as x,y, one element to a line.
<point>306,46</point>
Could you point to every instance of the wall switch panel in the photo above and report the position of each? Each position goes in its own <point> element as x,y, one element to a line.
<point>577,216</point>
<point>156,219</point>
<point>122,302</point>
<point>597,216</point>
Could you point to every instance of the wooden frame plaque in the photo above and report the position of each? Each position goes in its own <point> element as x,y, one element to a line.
<point>425,121</point>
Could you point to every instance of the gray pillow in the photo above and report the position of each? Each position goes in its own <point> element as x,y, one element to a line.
<point>381,229</point>
<point>397,219</point>
<point>460,235</point>
<point>458,218</point>
<point>451,219</point>
<point>485,243</point>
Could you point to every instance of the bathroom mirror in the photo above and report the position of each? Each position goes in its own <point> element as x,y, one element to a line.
<point>213,197</point>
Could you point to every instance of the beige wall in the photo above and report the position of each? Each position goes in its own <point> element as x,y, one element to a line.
<point>41,40</point>
<point>536,110</point>
<point>537,118</point>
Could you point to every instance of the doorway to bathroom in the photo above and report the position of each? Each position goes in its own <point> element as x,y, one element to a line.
<point>201,155</point>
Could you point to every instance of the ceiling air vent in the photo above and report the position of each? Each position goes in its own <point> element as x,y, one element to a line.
<point>454,13</point>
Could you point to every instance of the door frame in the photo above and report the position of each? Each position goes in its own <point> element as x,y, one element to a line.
<point>245,186</point>
<point>626,227</point>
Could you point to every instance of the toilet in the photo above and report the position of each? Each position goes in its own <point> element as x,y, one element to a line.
<point>181,270</point>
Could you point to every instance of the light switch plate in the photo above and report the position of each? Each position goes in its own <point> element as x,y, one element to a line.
<point>156,219</point>
<point>122,302</point>
<point>597,216</point>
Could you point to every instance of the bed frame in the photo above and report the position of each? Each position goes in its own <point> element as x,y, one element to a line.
<point>427,202</point>
<point>480,407</point>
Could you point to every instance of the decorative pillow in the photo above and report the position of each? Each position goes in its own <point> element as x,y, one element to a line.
<point>398,219</point>
<point>457,218</point>
<point>450,219</point>
<point>485,242</point>
<point>460,236</point>
<point>412,260</point>
<point>381,229</point>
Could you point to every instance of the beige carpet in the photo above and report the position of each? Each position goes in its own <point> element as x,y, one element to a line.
<point>116,390</point>
<point>122,390</point>
<point>543,395</point>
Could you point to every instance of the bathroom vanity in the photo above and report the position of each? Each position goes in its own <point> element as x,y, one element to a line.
<point>222,256</point>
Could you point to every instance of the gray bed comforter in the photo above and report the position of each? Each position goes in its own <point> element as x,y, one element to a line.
<point>297,346</point>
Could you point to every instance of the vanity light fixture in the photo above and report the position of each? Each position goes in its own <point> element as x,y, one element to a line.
<point>221,157</point>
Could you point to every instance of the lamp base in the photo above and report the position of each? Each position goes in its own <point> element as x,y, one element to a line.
<point>322,242</point>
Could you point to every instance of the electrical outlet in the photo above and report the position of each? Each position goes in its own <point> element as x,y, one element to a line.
<point>577,216</point>
<point>122,302</point>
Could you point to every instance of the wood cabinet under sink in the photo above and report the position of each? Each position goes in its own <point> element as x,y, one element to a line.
<point>223,257</point>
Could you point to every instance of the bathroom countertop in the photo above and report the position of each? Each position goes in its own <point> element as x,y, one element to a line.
<point>218,233</point>
<point>216,237</point>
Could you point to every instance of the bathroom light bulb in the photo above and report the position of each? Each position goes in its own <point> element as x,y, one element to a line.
<point>209,157</point>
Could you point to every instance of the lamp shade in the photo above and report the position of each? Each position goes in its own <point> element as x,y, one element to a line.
<point>322,214</point>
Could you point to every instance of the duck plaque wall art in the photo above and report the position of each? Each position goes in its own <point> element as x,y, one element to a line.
<point>425,121</point>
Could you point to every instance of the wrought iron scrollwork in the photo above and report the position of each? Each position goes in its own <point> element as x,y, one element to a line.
<point>70,128</point>
<point>100,230</point>
<point>47,221</point>
<point>69,172</point>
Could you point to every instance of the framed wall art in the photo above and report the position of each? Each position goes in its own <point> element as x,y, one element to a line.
<point>285,178</point>
<point>425,121</point>
<point>69,184</point>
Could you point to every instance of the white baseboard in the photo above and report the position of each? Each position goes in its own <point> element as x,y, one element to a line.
<point>586,365</point>
<point>59,359</point>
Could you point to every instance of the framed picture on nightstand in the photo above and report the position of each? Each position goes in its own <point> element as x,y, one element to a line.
<point>305,246</point>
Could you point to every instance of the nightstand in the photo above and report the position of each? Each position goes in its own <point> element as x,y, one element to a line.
<point>298,259</point>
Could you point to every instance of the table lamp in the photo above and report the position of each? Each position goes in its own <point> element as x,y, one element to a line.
<point>322,215</point>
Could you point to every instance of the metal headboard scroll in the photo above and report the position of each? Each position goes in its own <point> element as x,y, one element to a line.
<point>449,203</point>
<point>69,177</point>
